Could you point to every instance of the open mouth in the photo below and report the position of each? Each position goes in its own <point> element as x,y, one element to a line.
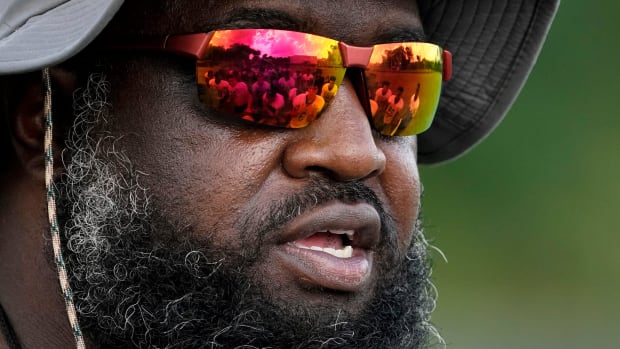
<point>332,246</point>
<point>337,243</point>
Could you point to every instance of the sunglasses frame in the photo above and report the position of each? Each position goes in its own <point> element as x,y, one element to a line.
<point>195,45</point>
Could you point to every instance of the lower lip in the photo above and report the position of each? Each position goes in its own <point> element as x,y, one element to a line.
<point>324,270</point>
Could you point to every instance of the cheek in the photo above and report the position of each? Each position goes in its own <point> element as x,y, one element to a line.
<point>401,183</point>
<point>198,174</point>
<point>203,177</point>
<point>220,177</point>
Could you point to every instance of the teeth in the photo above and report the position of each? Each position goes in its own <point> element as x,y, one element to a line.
<point>349,233</point>
<point>345,252</point>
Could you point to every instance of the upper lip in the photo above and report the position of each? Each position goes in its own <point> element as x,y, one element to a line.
<point>360,217</point>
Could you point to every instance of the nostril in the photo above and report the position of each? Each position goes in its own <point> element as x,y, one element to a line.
<point>324,172</point>
<point>317,169</point>
<point>375,173</point>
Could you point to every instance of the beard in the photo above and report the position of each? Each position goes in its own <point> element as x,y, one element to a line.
<point>141,281</point>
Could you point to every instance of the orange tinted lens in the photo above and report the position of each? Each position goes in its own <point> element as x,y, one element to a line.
<point>404,81</point>
<point>272,77</point>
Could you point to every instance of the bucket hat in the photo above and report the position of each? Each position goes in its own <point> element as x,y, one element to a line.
<point>494,43</point>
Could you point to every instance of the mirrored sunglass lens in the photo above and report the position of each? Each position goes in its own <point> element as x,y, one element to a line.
<point>404,82</point>
<point>272,77</point>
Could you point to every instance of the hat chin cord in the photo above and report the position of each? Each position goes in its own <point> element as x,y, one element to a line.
<point>51,212</point>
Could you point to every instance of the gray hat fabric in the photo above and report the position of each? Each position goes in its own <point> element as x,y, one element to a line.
<point>39,33</point>
<point>494,44</point>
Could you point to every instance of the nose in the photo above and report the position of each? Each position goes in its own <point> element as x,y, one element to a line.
<point>339,145</point>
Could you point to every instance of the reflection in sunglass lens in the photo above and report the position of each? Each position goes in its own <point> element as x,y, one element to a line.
<point>404,81</point>
<point>273,77</point>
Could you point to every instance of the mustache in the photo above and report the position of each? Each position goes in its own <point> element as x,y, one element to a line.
<point>317,192</point>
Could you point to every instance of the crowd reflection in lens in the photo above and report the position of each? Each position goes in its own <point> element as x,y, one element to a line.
<point>274,96</point>
<point>291,91</point>
<point>389,108</point>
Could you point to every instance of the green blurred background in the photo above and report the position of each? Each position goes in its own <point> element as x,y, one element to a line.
<point>529,219</point>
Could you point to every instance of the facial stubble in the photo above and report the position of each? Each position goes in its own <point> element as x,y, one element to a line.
<point>141,281</point>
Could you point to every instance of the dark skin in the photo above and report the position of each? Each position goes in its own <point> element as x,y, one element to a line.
<point>188,153</point>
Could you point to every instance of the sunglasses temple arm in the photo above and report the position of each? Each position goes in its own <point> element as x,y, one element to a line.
<point>193,45</point>
<point>447,65</point>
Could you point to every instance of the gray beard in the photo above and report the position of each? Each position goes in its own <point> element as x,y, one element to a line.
<point>140,281</point>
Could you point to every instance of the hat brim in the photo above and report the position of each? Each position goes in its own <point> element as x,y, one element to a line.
<point>495,44</point>
<point>50,37</point>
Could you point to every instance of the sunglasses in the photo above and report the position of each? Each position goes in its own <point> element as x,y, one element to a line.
<point>288,79</point>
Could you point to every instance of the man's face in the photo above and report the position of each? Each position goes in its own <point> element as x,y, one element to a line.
<point>209,223</point>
